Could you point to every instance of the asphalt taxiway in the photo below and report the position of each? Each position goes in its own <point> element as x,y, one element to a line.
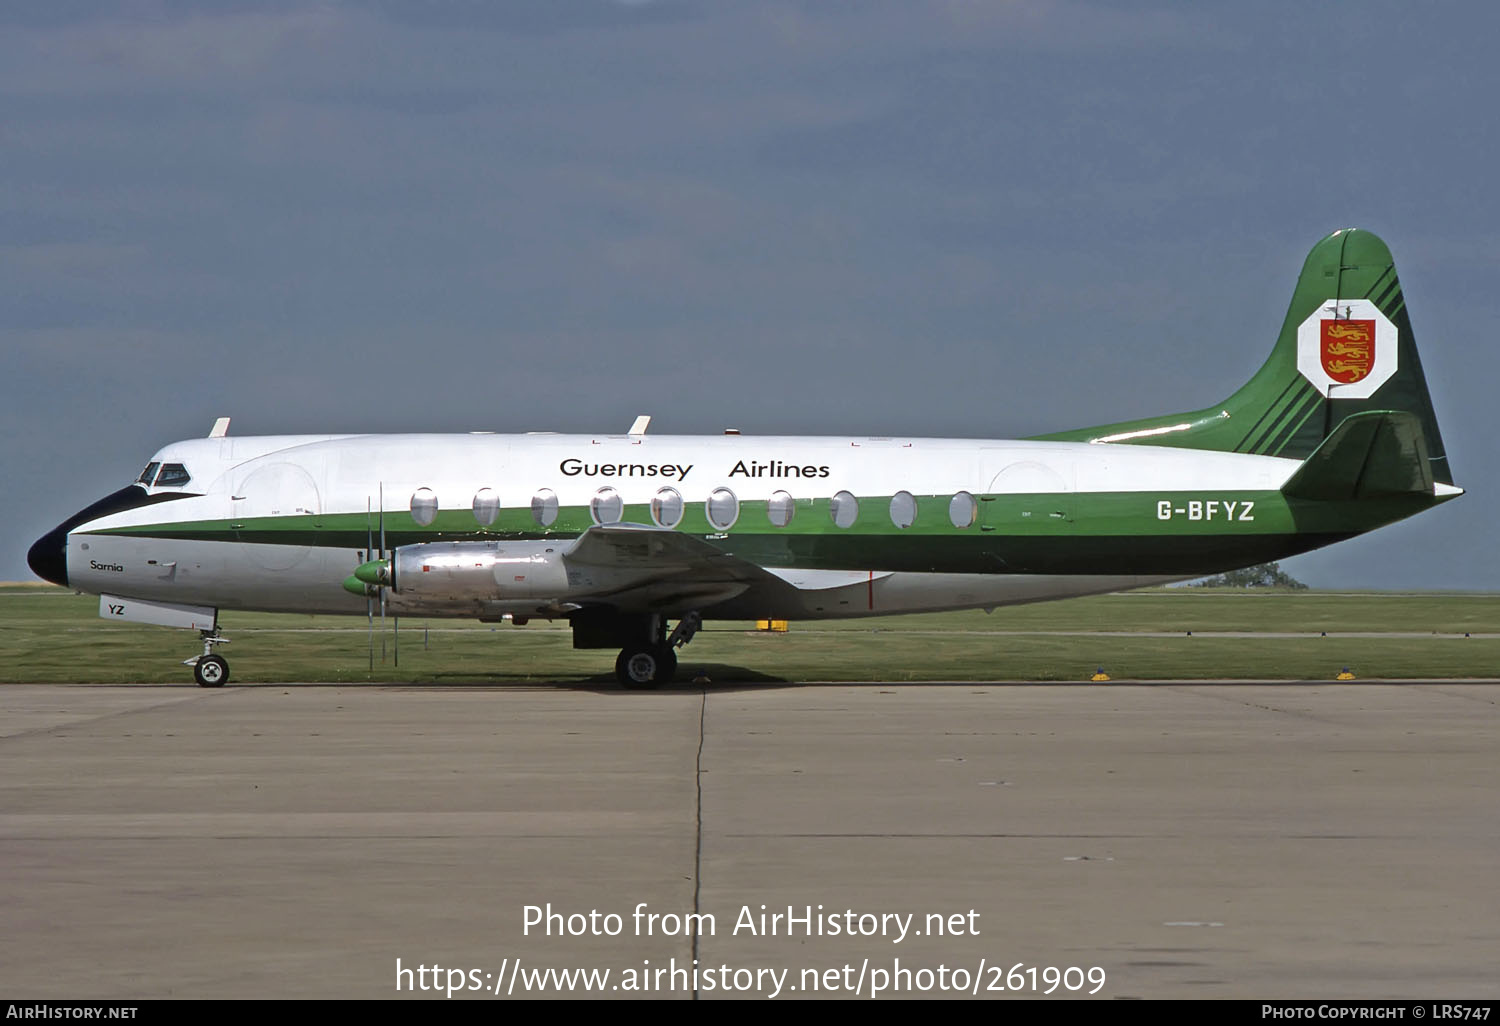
<point>1189,840</point>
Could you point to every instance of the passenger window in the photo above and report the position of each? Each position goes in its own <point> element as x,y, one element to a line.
<point>544,507</point>
<point>606,506</point>
<point>723,509</point>
<point>173,475</point>
<point>666,508</point>
<point>486,506</point>
<point>962,509</point>
<point>844,508</point>
<point>781,509</point>
<point>903,509</point>
<point>148,475</point>
<point>424,506</point>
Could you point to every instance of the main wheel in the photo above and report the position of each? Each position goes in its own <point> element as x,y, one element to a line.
<point>645,666</point>
<point>211,671</point>
<point>668,670</point>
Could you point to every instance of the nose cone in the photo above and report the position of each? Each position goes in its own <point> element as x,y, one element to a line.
<point>48,557</point>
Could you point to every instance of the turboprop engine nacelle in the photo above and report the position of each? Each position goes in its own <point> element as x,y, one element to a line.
<point>443,572</point>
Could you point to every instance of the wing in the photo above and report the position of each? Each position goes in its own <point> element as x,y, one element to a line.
<point>632,566</point>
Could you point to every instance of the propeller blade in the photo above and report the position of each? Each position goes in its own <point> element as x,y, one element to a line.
<point>382,556</point>
<point>369,599</point>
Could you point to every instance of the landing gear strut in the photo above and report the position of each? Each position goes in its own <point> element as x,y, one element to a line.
<point>209,670</point>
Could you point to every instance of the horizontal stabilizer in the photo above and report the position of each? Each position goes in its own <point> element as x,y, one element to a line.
<point>1371,454</point>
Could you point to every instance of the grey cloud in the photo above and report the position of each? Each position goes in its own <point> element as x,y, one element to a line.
<point>941,218</point>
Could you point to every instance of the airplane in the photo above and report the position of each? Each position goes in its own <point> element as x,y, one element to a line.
<point>637,539</point>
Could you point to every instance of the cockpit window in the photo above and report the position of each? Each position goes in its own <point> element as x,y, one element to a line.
<point>148,475</point>
<point>173,475</point>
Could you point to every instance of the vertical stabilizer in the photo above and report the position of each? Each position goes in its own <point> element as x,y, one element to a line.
<point>1345,348</point>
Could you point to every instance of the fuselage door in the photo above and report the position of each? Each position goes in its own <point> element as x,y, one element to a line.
<point>1028,498</point>
<point>274,510</point>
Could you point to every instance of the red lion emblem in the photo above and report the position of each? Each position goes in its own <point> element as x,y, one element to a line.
<point>1347,349</point>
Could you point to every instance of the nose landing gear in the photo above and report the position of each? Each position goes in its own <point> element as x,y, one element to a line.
<point>209,670</point>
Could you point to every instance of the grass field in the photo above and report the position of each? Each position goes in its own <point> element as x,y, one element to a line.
<point>51,635</point>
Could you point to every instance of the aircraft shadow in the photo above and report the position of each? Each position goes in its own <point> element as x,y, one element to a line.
<point>691,678</point>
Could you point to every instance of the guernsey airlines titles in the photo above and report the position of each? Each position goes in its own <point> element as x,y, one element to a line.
<point>678,471</point>
<point>638,544</point>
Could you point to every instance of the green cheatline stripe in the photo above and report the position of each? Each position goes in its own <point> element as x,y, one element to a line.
<point>1269,410</point>
<point>1010,518</point>
<point>1397,302</point>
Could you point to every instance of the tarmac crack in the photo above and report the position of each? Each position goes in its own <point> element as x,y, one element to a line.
<point>698,826</point>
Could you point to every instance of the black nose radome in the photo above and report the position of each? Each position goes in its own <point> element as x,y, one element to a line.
<point>48,558</point>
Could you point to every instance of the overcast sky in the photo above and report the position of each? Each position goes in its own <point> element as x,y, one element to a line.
<point>961,218</point>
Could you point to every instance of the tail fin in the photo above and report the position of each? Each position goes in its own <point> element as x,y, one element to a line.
<point>1345,348</point>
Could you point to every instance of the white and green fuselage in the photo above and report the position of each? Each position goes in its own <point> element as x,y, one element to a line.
<point>975,523</point>
<point>1334,436</point>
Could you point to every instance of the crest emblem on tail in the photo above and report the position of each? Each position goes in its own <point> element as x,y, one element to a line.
<point>1347,348</point>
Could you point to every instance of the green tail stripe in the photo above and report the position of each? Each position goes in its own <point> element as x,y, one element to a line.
<point>1291,432</point>
<point>1392,287</point>
<point>1287,418</point>
<point>1286,413</point>
<point>1244,444</point>
<point>1257,444</point>
<point>1283,421</point>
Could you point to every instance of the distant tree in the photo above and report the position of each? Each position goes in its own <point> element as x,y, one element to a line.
<point>1266,575</point>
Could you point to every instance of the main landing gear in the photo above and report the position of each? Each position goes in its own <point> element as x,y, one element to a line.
<point>652,662</point>
<point>209,670</point>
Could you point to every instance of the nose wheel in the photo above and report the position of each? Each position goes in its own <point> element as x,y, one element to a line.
<point>209,670</point>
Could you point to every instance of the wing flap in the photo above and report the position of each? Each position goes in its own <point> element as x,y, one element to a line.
<point>658,552</point>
